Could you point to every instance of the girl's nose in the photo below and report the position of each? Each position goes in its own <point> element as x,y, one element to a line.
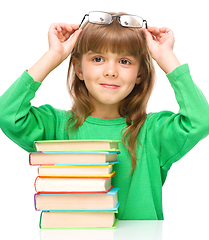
<point>111,71</point>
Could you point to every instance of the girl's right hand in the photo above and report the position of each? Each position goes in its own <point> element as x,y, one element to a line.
<point>62,38</point>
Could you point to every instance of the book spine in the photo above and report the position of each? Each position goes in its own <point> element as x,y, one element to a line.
<point>30,159</point>
<point>81,210</point>
<point>113,226</point>
<point>35,202</point>
<point>105,191</point>
<point>40,220</point>
<point>35,183</point>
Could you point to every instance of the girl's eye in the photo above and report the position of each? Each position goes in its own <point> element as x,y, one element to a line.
<point>98,59</point>
<point>125,62</point>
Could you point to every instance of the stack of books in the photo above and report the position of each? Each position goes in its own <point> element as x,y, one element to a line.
<point>73,186</point>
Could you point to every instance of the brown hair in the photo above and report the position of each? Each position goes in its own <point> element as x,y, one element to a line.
<point>116,39</point>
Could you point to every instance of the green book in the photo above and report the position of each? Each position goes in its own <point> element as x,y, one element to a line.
<point>78,220</point>
<point>77,145</point>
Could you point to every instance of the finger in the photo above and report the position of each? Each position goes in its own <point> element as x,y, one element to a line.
<point>166,33</point>
<point>75,36</point>
<point>160,34</point>
<point>153,30</point>
<point>165,30</point>
<point>72,41</point>
<point>67,35</point>
<point>75,26</point>
<point>148,35</point>
<point>69,27</point>
<point>64,30</point>
<point>64,27</point>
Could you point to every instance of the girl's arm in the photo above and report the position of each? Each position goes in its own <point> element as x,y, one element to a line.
<point>173,135</point>
<point>20,121</point>
<point>160,42</point>
<point>60,47</point>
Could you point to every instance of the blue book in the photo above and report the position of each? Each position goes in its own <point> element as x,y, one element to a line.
<point>73,158</point>
<point>77,201</point>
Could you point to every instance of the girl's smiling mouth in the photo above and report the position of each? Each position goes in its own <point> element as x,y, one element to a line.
<point>109,86</point>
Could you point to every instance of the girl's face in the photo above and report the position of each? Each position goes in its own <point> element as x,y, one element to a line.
<point>109,77</point>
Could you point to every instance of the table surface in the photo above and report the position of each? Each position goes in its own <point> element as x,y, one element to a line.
<point>24,225</point>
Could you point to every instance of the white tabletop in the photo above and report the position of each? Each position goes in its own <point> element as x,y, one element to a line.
<point>135,230</point>
<point>185,205</point>
<point>24,225</point>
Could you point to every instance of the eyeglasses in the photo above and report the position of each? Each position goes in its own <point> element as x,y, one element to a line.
<point>104,18</point>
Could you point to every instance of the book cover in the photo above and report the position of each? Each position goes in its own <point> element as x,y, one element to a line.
<point>80,175</point>
<point>75,170</point>
<point>76,145</point>
<point>72,157</point>
<point>72,184</point>
<point>69,220</point>
<point>77,201</point>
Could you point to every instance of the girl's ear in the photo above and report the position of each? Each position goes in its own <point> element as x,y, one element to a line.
<point>78,68</point>
<point>138,79</point>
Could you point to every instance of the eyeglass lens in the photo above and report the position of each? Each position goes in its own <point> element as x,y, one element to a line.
<point>131,21</point>
<point>100,17</point>
<point>106,18</point>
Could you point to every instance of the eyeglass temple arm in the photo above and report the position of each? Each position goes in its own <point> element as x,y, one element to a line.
<point>83,18</point>
<point>145,23</point>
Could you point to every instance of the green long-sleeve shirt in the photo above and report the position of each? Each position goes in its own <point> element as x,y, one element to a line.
<point>164,138</point>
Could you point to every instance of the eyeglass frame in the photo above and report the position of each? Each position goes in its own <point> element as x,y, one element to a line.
<point>143,20</point>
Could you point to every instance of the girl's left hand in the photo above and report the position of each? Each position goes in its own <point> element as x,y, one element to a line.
<point>160,42</point>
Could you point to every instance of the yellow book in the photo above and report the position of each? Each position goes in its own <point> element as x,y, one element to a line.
<point>74,170</point>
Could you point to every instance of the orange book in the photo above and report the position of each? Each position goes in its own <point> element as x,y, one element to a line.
<point>72,184</point>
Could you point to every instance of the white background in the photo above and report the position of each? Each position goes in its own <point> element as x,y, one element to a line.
<point>23,40</point>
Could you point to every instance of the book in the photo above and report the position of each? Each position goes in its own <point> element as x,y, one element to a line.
<point>76,145</point>
<point>73,157</point>
<point>74,187</point>
<point>77,201</point>
<point>73,170</point>
<point>91,234</point>
<point>65,220</point>
<point>72,184</point>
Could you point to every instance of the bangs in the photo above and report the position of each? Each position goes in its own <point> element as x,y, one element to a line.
<point>113,38</point>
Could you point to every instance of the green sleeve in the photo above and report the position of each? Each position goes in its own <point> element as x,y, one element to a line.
<point>173,135</point>
<point>20,121</point>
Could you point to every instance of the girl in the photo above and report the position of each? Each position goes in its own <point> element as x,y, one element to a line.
<point>110,78</point>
